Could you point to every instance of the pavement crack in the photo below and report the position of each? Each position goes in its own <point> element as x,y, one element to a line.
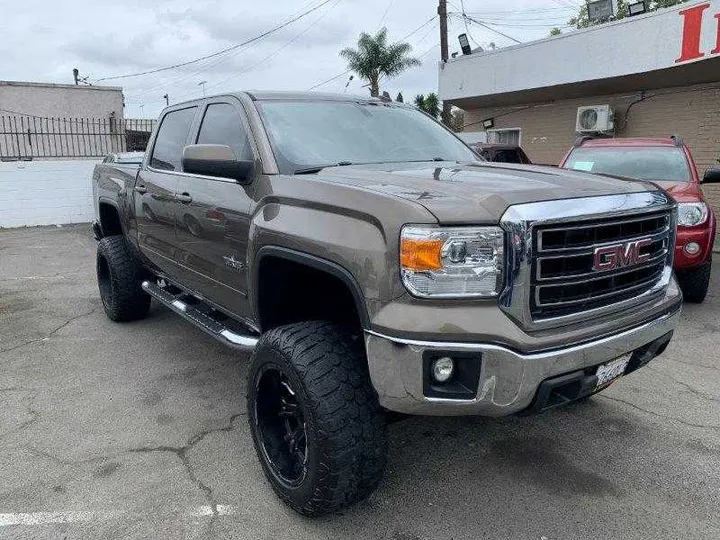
<point>663,416</point>
<point>51,333</point>
<point>182,454</point>
<point>694,365</point>
<point>689,388</point>
<point>34,417</point>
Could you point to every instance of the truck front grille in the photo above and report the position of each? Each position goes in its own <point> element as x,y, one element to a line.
<point>566,278</point>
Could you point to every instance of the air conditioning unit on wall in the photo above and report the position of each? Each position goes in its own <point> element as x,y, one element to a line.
<point>594,119</point>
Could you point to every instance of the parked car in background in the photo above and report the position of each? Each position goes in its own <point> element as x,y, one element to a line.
<point>668,163</point>
<point>501,153</point>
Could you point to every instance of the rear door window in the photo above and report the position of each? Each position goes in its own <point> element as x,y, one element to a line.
<point>171,140</point>
<point>222,125</point>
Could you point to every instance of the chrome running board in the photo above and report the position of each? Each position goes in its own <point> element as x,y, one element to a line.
<point>203,319</point>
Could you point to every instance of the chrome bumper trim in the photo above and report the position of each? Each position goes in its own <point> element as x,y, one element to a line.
<point>508,379</point>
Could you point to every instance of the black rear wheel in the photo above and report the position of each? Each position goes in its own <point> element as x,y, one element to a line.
<point>314,416</point>
<point>119,278</point>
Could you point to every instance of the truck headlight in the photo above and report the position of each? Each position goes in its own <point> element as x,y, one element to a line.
<point>452,262</point>
<point>691,214</point>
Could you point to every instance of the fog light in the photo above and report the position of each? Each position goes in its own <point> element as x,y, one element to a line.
<point>692,248</point>
<point>443,368</point>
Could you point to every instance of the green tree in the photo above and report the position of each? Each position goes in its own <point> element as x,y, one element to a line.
<point>430,104</point>
<point>555,32</point>
<point>582,20</point>
<point>399,97</point>
<point>375,58</point>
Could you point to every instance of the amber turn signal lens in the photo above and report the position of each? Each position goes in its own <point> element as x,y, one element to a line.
<point>421,255</point>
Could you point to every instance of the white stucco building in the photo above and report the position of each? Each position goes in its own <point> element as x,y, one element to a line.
<point>658,74</point>
<point>60,100</point>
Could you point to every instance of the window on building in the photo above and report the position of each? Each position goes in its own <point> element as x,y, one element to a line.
<point>170,142</point>
<point>505,136</point>
<point>222,125</point>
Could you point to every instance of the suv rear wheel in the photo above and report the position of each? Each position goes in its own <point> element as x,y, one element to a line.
<point>694,282</point>
<point>315,419</point>
<point>119,277</point>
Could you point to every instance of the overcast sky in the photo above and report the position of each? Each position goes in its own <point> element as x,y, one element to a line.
<point>43,40</point>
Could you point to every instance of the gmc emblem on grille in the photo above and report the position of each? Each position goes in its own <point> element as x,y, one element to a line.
<point>620,255</point>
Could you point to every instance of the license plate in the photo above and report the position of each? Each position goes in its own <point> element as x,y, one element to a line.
<point>607,373</point>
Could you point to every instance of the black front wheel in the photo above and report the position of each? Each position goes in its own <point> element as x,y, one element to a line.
<point>318,429</point>
<point>694,282</point>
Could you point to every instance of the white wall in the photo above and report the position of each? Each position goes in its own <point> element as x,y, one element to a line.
<point>46,192</point>
<point>634,45</point>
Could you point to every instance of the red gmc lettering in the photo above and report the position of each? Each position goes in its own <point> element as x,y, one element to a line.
<point>692,26</point>
<point>618,256</point>
<point>716,50</point>
<point>630,253</point>
<point>605,258</point>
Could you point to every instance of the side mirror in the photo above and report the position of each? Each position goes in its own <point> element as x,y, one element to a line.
<point>712,176</point>
<point>216,160</point>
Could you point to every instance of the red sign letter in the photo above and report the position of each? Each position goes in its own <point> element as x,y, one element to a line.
<point>692,24</point>
<point>716,50</point>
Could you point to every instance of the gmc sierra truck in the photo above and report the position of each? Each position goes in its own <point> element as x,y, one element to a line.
<point>371,262</point>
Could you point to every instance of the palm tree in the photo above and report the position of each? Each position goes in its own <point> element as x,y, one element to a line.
<point>429,104</point>
<point>375,58</point>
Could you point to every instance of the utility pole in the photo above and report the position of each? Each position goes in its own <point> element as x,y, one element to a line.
<point>76,75</point>
<point>167,100</point>
<point>442,13</point>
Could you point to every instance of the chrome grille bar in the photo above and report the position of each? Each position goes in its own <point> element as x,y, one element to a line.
<point>576,291</point>
<point>553,278</point>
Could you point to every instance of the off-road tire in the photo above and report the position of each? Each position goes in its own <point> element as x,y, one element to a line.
<point>119,278</point>
<point>694,282</point>
<point>346,436</point>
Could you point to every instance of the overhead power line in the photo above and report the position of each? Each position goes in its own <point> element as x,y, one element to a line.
<point>159,83</point>
<point>517,24</point>
<point>382,19</point>
<point>467,30</point>
<point>286,44</point>
<point>486,26</point>
<point>218,53</point>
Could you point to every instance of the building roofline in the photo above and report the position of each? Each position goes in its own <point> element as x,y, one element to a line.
<point>58,85</point>
<point>576,32</point>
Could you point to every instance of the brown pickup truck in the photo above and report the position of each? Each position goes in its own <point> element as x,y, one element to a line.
<point>371,262</point>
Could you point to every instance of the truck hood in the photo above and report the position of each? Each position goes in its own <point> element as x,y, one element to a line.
<point>682,191</point>
<point>477,192</point>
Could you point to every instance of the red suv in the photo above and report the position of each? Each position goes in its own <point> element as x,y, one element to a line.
<point>668,163</point>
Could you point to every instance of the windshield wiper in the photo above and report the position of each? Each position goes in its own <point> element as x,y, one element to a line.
<point>318,168</point>
<point>424,160</point>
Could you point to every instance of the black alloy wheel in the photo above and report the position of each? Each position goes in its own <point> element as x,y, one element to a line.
<point>281,426</point>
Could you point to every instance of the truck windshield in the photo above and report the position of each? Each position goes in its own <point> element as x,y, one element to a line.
<point>659,163</point>
<point>307,135</point>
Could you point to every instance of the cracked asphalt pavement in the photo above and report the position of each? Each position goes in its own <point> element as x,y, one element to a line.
<point>138,431</point>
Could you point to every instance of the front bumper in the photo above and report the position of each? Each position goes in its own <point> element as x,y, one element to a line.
<point>508,380</point>
<point>703,236</point>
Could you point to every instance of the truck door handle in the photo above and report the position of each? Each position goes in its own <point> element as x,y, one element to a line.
<point>184,198</point>
<point>140,189</point>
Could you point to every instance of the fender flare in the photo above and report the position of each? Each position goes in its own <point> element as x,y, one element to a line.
<point>316,263</point>
<point>112,203</point>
